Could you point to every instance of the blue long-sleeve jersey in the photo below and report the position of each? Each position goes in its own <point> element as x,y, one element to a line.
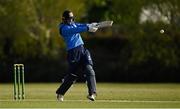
<point>71,34</point>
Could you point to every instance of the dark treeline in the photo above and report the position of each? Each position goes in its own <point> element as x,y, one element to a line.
<point>133,50</point>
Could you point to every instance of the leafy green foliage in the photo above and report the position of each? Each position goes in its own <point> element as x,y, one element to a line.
<point>147,48</point>
<point>29,28</point>
<point>29,31</point>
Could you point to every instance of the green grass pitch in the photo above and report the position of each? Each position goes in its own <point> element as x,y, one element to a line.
<point>110,95</point>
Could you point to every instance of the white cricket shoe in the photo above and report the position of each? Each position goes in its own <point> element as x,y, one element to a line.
<point>60,97</point>
<point>91,97</point>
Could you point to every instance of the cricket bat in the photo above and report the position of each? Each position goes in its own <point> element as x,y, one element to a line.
<point>104,24</point>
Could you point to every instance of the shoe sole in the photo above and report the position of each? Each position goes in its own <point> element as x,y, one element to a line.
<point>91,99</point>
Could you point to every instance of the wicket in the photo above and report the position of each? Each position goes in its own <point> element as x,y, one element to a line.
<point>19,89</point>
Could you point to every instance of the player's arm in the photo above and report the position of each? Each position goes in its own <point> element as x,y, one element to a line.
<point>77,29</point>
<point>81,24</point>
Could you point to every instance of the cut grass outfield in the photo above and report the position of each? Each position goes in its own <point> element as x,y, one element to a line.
<point>110,95</point>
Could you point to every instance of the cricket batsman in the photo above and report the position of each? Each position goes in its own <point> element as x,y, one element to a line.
<point>77,55</point>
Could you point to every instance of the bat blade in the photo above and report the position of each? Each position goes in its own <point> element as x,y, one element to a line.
<point>104,24</point>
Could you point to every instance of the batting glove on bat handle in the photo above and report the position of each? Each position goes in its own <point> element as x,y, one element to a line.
<point>92,28</point>
<point>94,24</point>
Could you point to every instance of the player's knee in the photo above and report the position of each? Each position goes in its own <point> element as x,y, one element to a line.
<point>89,70</point>
<point>70,77</point>
<point>73,76</point>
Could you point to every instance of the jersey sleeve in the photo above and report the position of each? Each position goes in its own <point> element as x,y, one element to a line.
<point>78,29</point>
<point>81,24</point>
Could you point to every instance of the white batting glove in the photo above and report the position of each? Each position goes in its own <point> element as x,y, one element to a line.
<point>94,24</point>
<point>92,29</point>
